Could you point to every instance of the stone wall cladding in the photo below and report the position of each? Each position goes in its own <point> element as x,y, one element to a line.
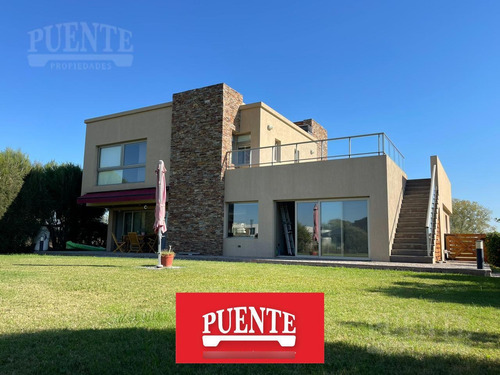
<point>319,133</point>
<point>203,121</point>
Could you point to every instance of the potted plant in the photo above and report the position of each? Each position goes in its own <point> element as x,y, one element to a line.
<point>167,257</point>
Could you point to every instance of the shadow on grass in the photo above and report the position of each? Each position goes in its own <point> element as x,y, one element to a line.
<point>462,337</point>
<point>66,265</point>
<point>144,351</point>
<point>467,291</point>
<point>481,280</point>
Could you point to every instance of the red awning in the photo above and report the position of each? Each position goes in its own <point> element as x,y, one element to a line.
<point>126,196</point>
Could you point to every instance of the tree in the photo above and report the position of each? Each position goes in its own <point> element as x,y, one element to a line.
<point>14,166</point>
<point>48,198</point>
<point>470,217</point>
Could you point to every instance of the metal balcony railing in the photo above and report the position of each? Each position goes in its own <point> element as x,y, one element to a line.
<point>328,149</point>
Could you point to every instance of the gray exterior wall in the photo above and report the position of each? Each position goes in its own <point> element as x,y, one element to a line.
<point>376,178</point>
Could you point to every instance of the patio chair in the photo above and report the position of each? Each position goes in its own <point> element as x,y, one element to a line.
<point>152,244</point>
<point>135,244</point>
<point>120,246</point>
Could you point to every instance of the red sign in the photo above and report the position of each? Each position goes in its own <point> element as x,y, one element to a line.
<point>249,328</point>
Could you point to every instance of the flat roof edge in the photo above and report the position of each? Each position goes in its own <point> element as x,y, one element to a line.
<point>130,112</point>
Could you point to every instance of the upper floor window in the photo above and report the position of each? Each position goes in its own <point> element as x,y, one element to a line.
<point>241,149</point>
<point>120,164</point>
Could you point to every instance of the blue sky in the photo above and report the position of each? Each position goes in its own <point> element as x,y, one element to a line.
<point>425,72</point>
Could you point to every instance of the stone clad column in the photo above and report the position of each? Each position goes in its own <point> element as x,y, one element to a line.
<point>203,121</point>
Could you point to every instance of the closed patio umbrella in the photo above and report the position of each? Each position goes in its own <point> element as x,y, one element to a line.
<point>316,223</point>
<point>161,199</point>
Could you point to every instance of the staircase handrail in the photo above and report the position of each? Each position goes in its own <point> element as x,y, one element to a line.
<point>429,224</point>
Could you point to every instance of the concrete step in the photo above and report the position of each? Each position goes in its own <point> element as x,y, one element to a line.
<point>412,216</point>
<point>411,222</point>
<point>415,204</point>
<point>418,181</point>
<point>417,190</point>
<point>411,235</point>
<point>417,194</point>
<point>411,259</point>
<point>410,229</point>
<point>412,252</point>
<point>403,240</point>
<point>409,246</point>
<point>413,212</point>
<point>417,197</point>
<point>417,186</point>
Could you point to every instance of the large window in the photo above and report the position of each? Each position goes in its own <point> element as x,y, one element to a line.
<point>121,164</point>
<point>333,228</point>
<point>243,220</point>
<point>140,221</point>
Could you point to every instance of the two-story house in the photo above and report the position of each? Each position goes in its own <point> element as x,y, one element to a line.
<point>243,180</point>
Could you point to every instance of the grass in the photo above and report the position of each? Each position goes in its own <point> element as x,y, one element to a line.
<point>107,315</point>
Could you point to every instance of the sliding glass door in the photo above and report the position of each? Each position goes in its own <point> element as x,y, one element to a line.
<point>333,228</point>
<point>307,242</point>
<point>355,221</point>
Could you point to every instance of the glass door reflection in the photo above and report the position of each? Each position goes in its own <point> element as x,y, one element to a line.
<point>308,228</point>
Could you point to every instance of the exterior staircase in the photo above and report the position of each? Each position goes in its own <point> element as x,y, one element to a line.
<point>410,243</point>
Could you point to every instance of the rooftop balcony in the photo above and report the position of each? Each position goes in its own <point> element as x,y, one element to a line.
<point>356,146</point>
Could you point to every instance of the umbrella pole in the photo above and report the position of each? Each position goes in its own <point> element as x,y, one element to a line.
<point>159,250</point>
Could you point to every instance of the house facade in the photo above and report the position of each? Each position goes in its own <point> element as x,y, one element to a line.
<point>243,180</point>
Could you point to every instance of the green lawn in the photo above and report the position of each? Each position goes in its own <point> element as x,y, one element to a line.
<point>107,315</point>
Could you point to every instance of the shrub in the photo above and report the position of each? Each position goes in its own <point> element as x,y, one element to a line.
<point>48,197</point>
<point>14,166</point>
<point>492,245</point>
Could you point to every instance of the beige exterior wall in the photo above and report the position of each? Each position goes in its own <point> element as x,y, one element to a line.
<point>152,124</point>
<point>445,197</point>
<point>333,179</point>
<point>250,119</point>
<point>255,119</point>
<point>396,182</point>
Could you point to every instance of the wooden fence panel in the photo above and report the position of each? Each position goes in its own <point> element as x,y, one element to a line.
<point>463,246</point>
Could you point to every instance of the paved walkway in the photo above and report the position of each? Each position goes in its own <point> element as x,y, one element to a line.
<point>466,268</point>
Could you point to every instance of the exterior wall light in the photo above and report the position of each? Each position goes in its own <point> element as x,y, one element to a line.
<point>270,127</point>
